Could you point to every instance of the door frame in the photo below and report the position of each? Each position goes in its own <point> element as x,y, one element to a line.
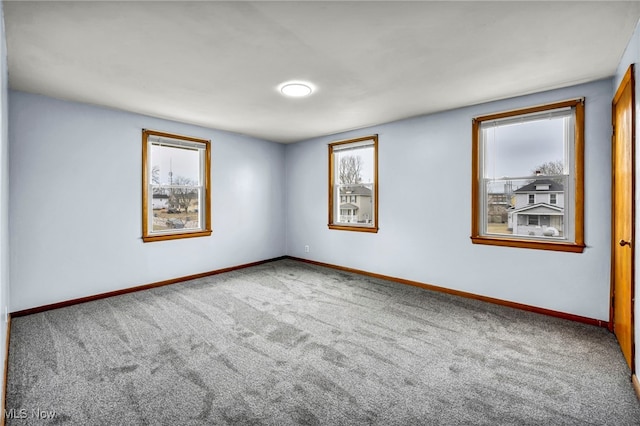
<point>629,78</point>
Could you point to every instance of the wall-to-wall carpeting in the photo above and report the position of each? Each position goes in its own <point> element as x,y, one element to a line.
<point>291,343</point>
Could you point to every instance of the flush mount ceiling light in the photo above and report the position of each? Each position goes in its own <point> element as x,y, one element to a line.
<point>296,89</point>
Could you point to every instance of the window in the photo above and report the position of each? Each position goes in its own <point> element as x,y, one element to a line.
<point>175,186</point>
<point>353,173</point>
<point>526,155</point>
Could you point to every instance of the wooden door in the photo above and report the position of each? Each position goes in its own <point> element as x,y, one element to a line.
<point>623,210</point>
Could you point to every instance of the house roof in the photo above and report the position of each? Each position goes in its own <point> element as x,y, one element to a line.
<point>531,187</point>
<point>349,206</point>
<point>356,190</point>
<point>539,208</point>
<point>193,194</point>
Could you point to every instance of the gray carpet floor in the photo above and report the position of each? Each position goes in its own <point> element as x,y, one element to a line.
<point>290,343</point>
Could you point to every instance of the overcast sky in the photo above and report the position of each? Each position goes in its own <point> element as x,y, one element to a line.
<point>518,149</point>
<point>183,162</point>
<point>366,154</point>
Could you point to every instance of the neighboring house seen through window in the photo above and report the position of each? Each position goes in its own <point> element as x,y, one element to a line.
<point>533,159</point>
<point>353,190</point>
<point>176,194</point>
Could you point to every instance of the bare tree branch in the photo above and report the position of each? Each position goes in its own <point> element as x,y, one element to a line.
<point>181,198</point>
<point>550,168</point>
<point>350,169</point>
<point>155,175</point>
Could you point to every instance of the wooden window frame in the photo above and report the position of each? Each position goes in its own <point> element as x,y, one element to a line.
<point>357,228</point>
<point>205,230</point>
<point>575,246</point>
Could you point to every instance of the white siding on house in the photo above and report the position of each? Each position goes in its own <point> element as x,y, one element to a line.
<point>522,199</point>
<point>159,203</point>
<point>548,224</point>
<point>541,209</point>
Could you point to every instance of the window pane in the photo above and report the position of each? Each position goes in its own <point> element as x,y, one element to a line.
<point>521,149</point>
<point>511,211</point>
<point>355,209</point>
<point>528,168</point>
<point>175,186</point>
<point>176,208</point>
<point>353,203</point>
<point>354,175</point>
<point>354,165</point>
<point>175,166</point>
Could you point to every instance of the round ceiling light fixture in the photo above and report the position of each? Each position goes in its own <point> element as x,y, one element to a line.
<point>296,89</point>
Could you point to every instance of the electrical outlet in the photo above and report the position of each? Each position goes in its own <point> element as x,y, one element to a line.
<point>306,249</point>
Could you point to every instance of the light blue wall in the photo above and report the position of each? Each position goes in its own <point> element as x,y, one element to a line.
<point>75,205</point>
<point>425,211</point>
<point>4,194</point>
<point>632,56</point>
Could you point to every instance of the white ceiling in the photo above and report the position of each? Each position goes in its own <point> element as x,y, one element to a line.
<point>218,64</point>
